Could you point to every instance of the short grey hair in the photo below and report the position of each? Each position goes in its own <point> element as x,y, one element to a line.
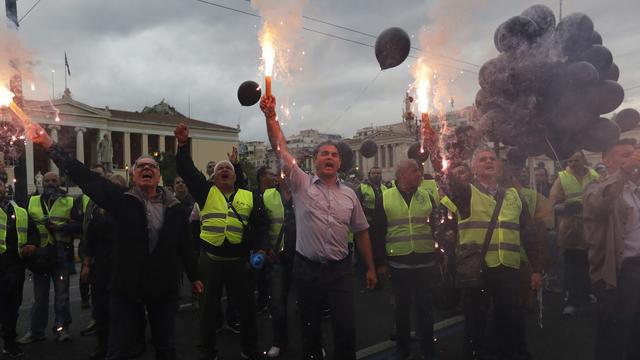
<point>478,150</point>
<point>219,163</point>
<point>135,164</point>
<point>402,164</point>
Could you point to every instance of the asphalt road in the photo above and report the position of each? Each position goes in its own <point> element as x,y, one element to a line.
<point>561,338</point>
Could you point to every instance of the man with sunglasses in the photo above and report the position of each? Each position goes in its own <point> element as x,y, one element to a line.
<point>152,237</point>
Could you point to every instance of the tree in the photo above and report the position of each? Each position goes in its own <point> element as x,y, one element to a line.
<point>167,163</point>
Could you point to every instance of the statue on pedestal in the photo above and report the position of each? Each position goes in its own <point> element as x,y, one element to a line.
<point>105,153</point>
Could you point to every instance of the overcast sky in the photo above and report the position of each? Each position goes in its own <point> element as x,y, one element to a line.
<point>130,54</point>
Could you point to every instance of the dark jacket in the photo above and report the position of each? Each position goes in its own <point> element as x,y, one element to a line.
<point>136,273</point>
<point>255,234</point>
<point>10,260</point>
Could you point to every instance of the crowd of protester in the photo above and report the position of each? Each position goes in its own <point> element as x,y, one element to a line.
<point>484,239</point>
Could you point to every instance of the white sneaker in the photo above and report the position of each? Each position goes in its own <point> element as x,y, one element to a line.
<point>593,299</point>
<point>274,352</point>
<point>28,338</point>
<point>569,310</point>
<point>63,335</point>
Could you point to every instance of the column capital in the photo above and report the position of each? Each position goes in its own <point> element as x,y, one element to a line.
<point>54,127</point>
<point>80,129</point>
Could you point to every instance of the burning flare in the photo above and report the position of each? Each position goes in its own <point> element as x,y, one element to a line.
<point>268,56</point>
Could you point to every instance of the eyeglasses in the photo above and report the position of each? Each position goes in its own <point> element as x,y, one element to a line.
<point>146,165</point>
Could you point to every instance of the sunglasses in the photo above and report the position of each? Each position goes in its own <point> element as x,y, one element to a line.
<point>146,165</point>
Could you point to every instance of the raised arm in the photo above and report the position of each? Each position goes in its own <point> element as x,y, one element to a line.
<point>276,137</point>
<point>195,180</point>
<point>102,191</point>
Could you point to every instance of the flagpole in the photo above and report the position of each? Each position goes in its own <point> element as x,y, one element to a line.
<point>66,67</point>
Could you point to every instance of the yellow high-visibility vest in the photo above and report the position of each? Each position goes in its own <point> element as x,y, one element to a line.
<point>446,202</point>
<point>504,247</point>
<point>22,227</point>
<point>572,187</point>
<point>432,187</point>
<point>408,230</point>
<point>60,213</point>
<point>275,210</point>
<point>219,221</point>
<point>369,195</point>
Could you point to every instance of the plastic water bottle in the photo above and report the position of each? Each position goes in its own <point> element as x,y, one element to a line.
<point>257,260</point>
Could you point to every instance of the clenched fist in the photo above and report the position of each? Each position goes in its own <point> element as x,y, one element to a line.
<point>182,134</point>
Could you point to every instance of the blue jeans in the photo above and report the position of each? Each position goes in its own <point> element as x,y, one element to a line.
<point>41,282</point>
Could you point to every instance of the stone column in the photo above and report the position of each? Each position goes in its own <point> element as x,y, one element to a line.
<point>161,144</point>
<point>145,144</point>
<point>127,149</point>
<point>54,137</point>
<point>28,149</point>
<point>80,143</point>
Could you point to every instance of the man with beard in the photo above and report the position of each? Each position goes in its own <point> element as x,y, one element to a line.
<point>152,236</point>
<point>56,218</point>
<point>18,239</point>
<point>325,210</point>
<point>370,194</point>
<point>566,195</point>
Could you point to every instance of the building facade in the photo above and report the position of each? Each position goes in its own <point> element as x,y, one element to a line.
<point>79,127</point>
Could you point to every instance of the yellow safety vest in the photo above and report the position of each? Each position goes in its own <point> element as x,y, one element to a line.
<point>218,221</point>
<point>60,213</point>
<point>432,187</point>
<point>369,195</point>
<point>504,248</point>
<point>572,187</point>
<point>22,227</point>
<point>275,212</point>
<point>408,230</point>
<point>531,197</point>
<point>446,202</point>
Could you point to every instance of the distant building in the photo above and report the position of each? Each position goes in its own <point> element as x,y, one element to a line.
<point>78,128</point>
<point>393,140</point>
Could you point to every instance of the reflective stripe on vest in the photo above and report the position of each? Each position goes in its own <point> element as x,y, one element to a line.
<point>572,187</point>
<point>275,212</point>
<point>432,187</point>
<point>59,214</point>
<point>504,248</point>
<point>22,225</point>
<point>408,229</point>
<point>218,221</point>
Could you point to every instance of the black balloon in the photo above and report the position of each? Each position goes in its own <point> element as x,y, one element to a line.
<point>515,33</point>
<point>600,136</point>
<point>604,97</point>
<point>596,38</point>
<point>574,32</point>
<point>417,152</point>
<point>572,121</point>
<point>598,56</point>
<point>561,149</point>
<point>627,119</point>
<point>346,156</point>
<point>249,93</point>
<point>392,47</point>
<point>494,76</point>
<point>612,73</point>
<point>542,16</point>
<point>582,72</point>
<point>369,148</point>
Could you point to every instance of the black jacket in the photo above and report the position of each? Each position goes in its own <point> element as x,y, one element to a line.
<point>10,260</point>
<point>255,235</point>
<point>136,273</point>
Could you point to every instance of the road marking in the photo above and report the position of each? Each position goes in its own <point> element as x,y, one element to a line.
<point>388,344</point>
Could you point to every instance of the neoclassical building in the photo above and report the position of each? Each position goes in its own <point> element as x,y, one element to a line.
<point>79,127</point>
